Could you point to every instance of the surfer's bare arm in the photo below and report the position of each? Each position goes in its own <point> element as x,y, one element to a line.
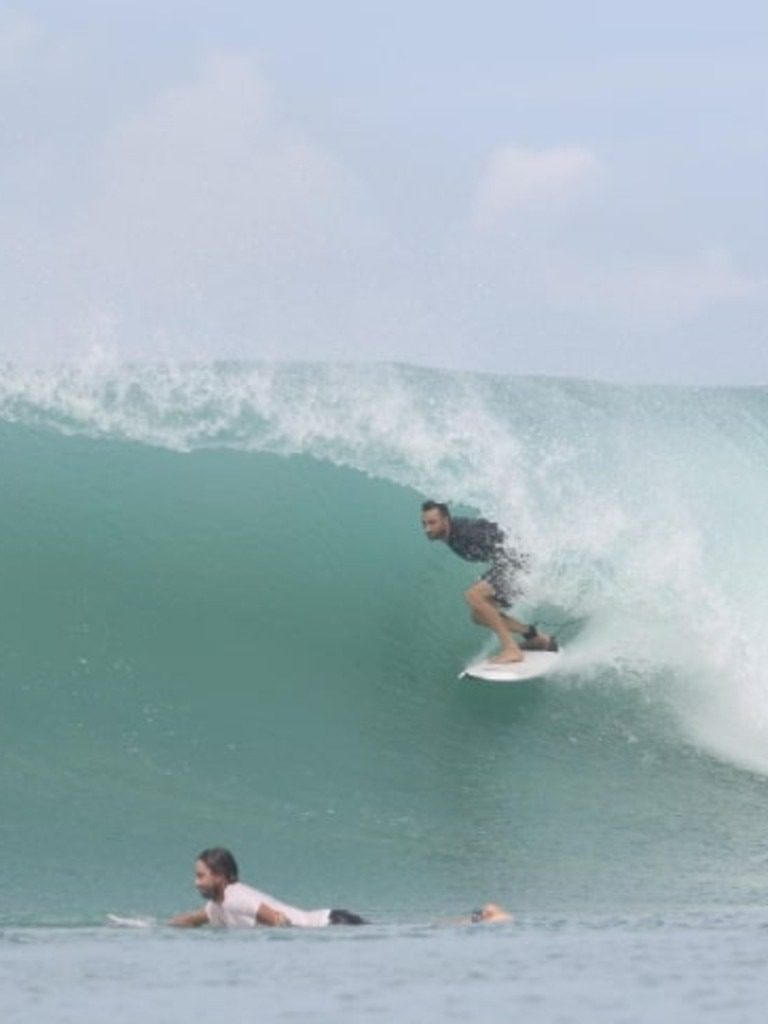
<point>270,917</point>
<point>194,919</point>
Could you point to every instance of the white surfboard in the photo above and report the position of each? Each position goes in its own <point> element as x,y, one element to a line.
<point>129,922</point>
<point>534,665</point>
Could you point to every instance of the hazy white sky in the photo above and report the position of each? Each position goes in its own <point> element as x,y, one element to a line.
<point>575,189</point>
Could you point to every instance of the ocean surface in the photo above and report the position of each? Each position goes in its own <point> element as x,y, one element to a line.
<point>220,624</point>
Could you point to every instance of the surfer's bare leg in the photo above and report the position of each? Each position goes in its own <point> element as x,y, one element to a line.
<point>540,642</point>
<point>514,625</point>
<point>485,612</point>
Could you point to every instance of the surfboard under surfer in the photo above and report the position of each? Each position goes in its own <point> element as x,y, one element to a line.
<point>479,540</point>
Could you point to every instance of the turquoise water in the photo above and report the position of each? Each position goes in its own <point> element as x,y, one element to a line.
<point>220,624</point>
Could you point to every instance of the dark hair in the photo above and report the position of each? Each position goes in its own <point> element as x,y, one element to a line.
<point>442,508</point>
<point>220,861</point>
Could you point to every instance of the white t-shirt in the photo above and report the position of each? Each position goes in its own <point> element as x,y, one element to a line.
<point>241,903</point>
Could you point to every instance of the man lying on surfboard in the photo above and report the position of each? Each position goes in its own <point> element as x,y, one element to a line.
<point>231,904</point>
<point>478,540</point>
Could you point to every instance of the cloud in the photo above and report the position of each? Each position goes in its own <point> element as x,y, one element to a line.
<point>207,171</point>
<point>209,216</point>
<point>657,292</point>
<point>542,250</point>
<point>516,179</point>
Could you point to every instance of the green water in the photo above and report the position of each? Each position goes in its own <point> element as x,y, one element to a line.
<point>261,651</point>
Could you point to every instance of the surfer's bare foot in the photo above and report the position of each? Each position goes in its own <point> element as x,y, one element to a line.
<point>507,656</point>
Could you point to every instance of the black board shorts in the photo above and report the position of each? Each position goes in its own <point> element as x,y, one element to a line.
<point>500,575</point>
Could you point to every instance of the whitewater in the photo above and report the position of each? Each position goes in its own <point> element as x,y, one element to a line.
<point>220,624</point>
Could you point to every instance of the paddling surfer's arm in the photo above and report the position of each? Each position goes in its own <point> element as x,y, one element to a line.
<point>194,919</point>
<point>270,917</point>
<point>265,915</point>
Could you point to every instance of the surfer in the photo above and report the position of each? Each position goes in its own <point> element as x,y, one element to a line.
<point>489,913</point>
<point>479,540</point>
<point>231,904</point>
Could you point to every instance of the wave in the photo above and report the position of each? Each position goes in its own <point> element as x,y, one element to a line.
<point>221,623</point>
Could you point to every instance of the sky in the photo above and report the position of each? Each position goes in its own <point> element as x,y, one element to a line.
<point>566,189</point>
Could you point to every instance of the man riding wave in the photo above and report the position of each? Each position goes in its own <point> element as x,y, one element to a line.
<point>479,540</point>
